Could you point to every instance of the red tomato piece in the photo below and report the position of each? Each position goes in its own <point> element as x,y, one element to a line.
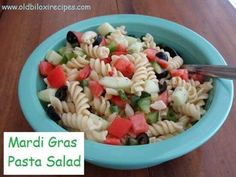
<point>119,127</point>
<point>56,78</point>
<point>118,101</point>
<point>96,88</point>
<point>151,54</point>
<point>119,47</point>
<point>119,53</point>
<point>197,77</point>
<point>182,73</point>
<point>163,63</point>
<point>164,97</point>
<point>110,73</point>
<point>107,60</point>
<point>84,73</point>
<point>139,124</point>
<point>103,43</point>
<point>112,140</point>
<point>78,35</point>
<point>125,67</point>
<point>45,67</point>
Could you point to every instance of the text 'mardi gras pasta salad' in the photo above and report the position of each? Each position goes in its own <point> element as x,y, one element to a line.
<point>120,89</point>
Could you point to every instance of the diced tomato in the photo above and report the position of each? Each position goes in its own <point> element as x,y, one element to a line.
<point>84,73</point>
<point>110,73</point>
<point>107,60</point>
<point>56,78</point>
<point>96,88</point>
<point>118,101</point>
<point>163,63</point>
<point>103,43</point>
<point>119,47</point>
<point>151,54</point>
<point>119,127</point>
<point>183,73</point>
<point>125,67</point>
<point>112,140</point>
<point>164,97</point>
<point>120,52</point>
<point>45,67</point>
<point>139,124</point>
<point>197,77</point>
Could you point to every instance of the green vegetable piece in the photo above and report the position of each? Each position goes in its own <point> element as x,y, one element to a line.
<point>122,94</point>
<point>171,115</point>
<point>145,94</point>
<point>70,55</point>
<point>112,46</point>
<point>114,108</point>
<point>157,67</point>
<point>144,104</point>
<point>134,101</point>
<point>152,117</point>
<point>64,60</point>
<point>84,83</point>
<point>62,51</point>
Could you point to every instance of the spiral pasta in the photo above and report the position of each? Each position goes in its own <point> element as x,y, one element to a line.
<point>164,127</point>
<point>140,74</point>
<point>79,62</point>
<point>84,123</point>
<point>151,73</point>
<point>103,69</point>
<point>189,109</point>
<point>175,63</point>
<point>62,106</point>
<point>96,51</point>
<point>80,100</point>
<point>148,41</point>
<point>102,106</point>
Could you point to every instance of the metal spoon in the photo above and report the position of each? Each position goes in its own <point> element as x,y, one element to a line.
<point>218,71</point>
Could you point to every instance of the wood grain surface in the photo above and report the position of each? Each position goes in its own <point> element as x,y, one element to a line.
<point>22,31</point>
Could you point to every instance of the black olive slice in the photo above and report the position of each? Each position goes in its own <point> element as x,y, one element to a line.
<point>142,138</point>
<point>162,75</point>
<point>98,40</point>
<point>172,51</point>
<point>162,87</point>
<point>162,56</point>
<point>61,93</point>
<point>52,113</point>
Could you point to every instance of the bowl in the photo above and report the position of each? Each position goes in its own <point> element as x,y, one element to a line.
<point>191,46</point>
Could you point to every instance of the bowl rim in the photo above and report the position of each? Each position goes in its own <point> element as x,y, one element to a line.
<point>125,157</point>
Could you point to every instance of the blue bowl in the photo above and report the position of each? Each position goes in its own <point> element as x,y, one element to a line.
<point>192,47</point>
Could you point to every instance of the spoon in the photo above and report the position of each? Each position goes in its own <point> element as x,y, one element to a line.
<point>218,71</point>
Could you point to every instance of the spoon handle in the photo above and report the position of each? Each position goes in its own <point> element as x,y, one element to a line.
<point>218,71</point>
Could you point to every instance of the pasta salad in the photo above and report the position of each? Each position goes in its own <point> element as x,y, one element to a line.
<point>120,89</point>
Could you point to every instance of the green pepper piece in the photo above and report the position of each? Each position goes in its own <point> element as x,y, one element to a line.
<point>152,117</point>
<point>62,51</point>
<point>171,115</point>
<point>114,108</point>
<point>112,46</point>
<point>134,101</point>
<point>84,83</point>
<point>144,104</point>
<point>122,94</point>
<point>145,94</point>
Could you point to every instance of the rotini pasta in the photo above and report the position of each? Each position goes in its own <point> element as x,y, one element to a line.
<point>96,51</point>
<point>164,127</point>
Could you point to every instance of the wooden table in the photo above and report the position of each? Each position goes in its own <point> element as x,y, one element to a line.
<point>22,31</point>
